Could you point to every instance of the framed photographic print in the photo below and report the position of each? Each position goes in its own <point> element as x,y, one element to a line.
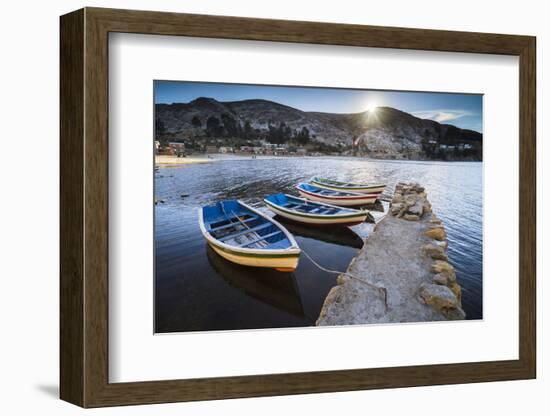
<point>256,207</point>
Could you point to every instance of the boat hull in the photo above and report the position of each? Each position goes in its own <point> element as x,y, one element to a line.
<point>377,189</point>
<point>319,220</point>
<point>284,262</point>
<point>342,202</point>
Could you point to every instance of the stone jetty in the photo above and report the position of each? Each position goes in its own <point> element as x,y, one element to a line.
<point>402,273</point>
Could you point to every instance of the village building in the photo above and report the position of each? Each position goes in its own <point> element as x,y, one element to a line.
<point>177,148</point>
<point>226,149</point>
<point>211,149</point>
<point>247,149</point>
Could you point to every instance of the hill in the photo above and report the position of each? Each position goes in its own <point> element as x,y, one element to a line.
<point>382,133</point>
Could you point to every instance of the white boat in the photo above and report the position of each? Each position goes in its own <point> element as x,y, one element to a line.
<point>340,198</point>
<point>362,188</point>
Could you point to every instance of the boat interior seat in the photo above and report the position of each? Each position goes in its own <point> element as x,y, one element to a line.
<point>260,238</point>
<point>247,231</point>
<point>233,223</point>
<point>319,210</point>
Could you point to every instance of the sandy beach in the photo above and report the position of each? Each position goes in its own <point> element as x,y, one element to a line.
<point>166,161</point>
<point>174,160</point>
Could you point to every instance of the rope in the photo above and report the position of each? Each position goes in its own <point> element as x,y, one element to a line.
<point>382,290</point>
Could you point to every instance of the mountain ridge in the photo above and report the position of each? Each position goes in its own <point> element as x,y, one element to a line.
<point>385,132</point>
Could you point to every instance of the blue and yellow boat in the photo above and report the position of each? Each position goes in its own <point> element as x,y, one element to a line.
<point>244,235</point>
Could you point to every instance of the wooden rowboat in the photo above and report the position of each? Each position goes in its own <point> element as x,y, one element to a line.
<point>340,198</point>
<point>304,211</point>
<point>243,235</point>
<point>362,188</point>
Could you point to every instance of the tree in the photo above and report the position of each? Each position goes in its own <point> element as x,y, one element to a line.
<point>303,136</point>
<point>160,128</point>
<point>248,132</point>
<point>230,125</point>
<point>213,127</point>
<point>196,122</point>
<point>272,134</point>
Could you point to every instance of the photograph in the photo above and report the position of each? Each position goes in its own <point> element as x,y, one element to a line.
<point>293,206</point>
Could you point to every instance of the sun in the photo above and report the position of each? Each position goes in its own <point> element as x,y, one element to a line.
<point>371,106</point>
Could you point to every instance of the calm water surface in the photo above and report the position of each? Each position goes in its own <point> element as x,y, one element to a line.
<point>197,290</point>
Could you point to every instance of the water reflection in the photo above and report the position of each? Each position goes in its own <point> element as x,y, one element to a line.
<point>274,288</point>
<point>342,236</point>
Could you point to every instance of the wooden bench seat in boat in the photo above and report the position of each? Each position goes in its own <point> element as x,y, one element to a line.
<point>247,231</point>
<point>257,240</point>
<point>232,224</point>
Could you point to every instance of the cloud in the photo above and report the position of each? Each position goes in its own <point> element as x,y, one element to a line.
<point>441,116</point>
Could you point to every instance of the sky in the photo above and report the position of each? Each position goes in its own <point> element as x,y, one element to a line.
<point>461,110</point>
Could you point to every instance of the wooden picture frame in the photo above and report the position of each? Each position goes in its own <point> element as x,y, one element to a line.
<point>84,207</point>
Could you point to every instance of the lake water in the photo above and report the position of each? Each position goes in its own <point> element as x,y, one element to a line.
<point>197,290</point>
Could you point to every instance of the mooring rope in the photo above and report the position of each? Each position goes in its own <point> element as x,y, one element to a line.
<point>382,290</point>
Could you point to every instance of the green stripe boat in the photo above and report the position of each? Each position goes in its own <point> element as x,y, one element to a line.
<point>363,188</point>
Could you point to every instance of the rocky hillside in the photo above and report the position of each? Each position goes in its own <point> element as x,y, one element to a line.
<point>384,132</point>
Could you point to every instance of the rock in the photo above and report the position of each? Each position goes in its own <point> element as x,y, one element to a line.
<point>411,217</point>
<point>456,289</point>
<point>437,233</point>
<point>416,209</point>
<point>397,198</point>
<point>427,207</point>
<point>395,208</point>
<point>441,266</point>
<point>436,252</point>
<point>406,189</point>
<point>445,278</point>
<point>455,314</point>
<point>437,296</point>
<point>341,279</point>
<point>441,279</point>
<point>443,244</point>
<point>402,212</point>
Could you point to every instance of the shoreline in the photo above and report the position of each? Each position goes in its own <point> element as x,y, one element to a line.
<point>405,256</point>
<point>174,160</point>
<point>167,161</point>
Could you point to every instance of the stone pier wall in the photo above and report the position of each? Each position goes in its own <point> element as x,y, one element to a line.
<point>406,254</point>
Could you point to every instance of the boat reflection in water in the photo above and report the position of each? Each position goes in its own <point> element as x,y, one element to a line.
<point>277,289</point>
<point>342,236</point>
